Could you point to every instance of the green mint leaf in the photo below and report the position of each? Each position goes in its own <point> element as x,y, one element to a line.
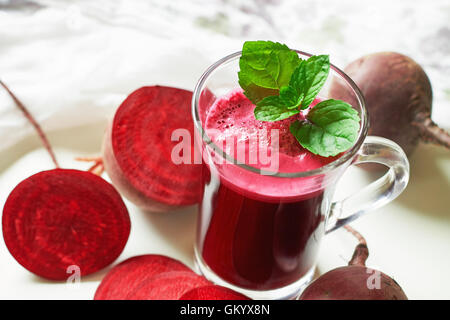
<point>331,127</point>
<point>290,97</point>
<point>281,84</point>
<point>273,108</point>
<point>309,77</point>
<point>265,67</point>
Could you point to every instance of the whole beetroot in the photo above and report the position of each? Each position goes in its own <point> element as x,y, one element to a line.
<point>398,98</point>
<point>355,281</point>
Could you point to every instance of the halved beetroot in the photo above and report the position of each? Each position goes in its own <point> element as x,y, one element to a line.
<point>212,292</point>
<point>168,286</point>
<point>61,217</point>
<point>137,149</point>
<point>129,274</point>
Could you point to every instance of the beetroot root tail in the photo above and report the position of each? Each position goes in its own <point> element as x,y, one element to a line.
<point>361,252</point>
<point>430,131</point>
<point>31,119</point>
<point>97,168</point>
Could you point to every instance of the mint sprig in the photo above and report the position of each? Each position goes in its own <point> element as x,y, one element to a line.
<point>265,67</point>
<point>330,128</point>
<point>273,108</point>
<point>282,85</point>
<point>309,77</point>
<point>306,81</point>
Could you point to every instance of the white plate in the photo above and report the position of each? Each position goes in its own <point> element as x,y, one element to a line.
<point>408,239</point>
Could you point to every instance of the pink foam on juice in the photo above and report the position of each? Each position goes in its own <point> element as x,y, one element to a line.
<point>232,117</point>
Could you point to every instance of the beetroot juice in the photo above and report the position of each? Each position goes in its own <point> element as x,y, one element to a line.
<point>260,245</point>
<point>257,232</point>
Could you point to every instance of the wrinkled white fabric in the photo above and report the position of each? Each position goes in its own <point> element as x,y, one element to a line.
<point>73,62</point>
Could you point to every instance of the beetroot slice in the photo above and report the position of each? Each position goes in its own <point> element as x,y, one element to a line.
<point>61,217</point>
<point>212,293</point>
<point>141,145</point>
<point>129,274</point>
<point>167,286</point>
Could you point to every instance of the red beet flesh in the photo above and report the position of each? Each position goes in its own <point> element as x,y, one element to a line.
<point>167,286</point>
<point>398,98</point>
<point>137,149</point>
<point>61,217</point>
<point>355,281</point>
<point>212,292</point>
<point>129,274</point>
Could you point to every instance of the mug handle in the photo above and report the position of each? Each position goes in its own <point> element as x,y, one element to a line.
<point>379,192</point>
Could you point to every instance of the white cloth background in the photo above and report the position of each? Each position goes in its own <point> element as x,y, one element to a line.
<point>73,62</point>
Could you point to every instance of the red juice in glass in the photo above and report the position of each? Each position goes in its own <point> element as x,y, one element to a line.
<point>266,239</point>
<point>267,202</point>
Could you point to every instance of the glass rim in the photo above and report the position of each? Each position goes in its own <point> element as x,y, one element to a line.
<point>301,174</point>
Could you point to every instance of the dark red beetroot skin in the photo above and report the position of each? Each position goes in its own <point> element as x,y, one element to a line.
<point>212,292</point>
<point>129,274</point>
<point>350,283</point>
<point>137,149</point>
<point>167,286</point>
<point>61,217</point>
<point>355,281</point>
<point>398,98</point>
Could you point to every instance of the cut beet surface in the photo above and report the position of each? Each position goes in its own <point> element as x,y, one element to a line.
<point>168,286</point>
<point>212,292</point>
<point>61,217</point>
<point>129,274</point>
<point>137,150</point>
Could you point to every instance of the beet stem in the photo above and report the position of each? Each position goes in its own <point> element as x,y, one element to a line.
<point>31,119</point>
<point>97,168</point>
<point>430,131</point>
<point>89,159</point>
<point>361,252</point>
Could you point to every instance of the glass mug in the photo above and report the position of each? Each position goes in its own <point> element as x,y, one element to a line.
<point>263,242</point>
